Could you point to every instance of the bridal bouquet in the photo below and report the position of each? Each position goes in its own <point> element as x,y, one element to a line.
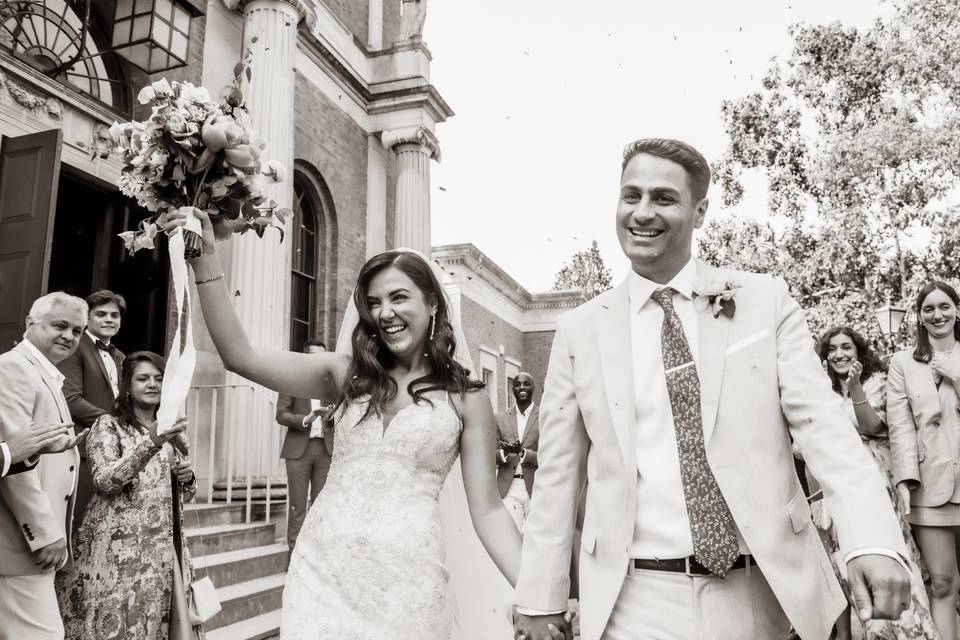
<point>197,153</point>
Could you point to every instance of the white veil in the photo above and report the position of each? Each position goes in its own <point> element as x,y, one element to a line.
<point>481,597</point>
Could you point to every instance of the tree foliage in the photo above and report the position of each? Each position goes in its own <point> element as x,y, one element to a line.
<point>585,270</point>
<point>858,134</point>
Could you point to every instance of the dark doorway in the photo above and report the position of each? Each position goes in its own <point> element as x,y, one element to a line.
<point>87,255</point>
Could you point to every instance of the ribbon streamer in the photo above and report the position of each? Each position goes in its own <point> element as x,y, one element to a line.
<point>182,359</point>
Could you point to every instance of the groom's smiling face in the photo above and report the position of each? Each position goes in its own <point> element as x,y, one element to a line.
<point>656,216</point>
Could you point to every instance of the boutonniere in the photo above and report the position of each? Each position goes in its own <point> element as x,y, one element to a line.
<point>716,294</point>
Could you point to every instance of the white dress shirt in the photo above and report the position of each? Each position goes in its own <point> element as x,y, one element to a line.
<point>522,420</point>
<point>662,527</point>
<point>316,427</point>
<point>108,363</point>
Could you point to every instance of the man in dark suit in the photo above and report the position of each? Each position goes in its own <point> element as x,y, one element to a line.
<point>518,434</point>
<point>307,448</point>
<point>91,377</point>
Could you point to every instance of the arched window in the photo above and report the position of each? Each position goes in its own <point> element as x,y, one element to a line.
<point>303,282</point>
<point>46,34</point>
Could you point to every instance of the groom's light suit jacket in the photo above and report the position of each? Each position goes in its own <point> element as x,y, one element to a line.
<point>761,383</point>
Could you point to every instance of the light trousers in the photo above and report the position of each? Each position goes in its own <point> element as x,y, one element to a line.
<point>29,609</point>
<point>660,605</point>
<point>517,502</point>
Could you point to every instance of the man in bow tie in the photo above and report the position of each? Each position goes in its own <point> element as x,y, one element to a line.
<point>91,378</point>
<point>675,395</point>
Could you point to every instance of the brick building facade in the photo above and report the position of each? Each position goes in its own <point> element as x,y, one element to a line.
<point>508,328</point>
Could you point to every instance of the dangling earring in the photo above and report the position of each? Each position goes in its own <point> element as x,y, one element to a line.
<point>433,324</point>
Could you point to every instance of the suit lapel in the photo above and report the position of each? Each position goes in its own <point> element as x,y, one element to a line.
<point>530,426</point>
<point>55,389</point>
<point>714,334</point>
<point>94,352</point>
<point>510,428</point>
<point>616,362</point>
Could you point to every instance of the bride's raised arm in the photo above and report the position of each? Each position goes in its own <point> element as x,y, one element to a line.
<point>296,374</point>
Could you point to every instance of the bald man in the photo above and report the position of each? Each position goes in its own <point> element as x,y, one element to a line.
<point>518,433</point>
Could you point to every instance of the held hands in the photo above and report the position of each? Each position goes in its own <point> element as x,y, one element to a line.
<point>170,434</point>
<point>550,627</point>
<point>880,587</point>
<point>26,443</point>
<point>51,556</point>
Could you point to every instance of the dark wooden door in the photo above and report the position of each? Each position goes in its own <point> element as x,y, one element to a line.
<point>29,175</point>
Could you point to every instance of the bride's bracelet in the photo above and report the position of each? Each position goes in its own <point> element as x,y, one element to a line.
<point>210,279</point>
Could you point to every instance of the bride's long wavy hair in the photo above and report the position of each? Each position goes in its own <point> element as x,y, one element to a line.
<point>369,369</point>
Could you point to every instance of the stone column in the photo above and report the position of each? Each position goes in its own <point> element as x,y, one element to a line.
<point>414,148</point>
<point>258,269</point>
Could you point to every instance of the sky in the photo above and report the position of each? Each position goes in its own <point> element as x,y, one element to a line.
<point>547,93</point>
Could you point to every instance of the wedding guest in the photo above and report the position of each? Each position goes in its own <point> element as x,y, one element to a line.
<point>518,431</point>
<point>307,449</point>
<point>923,411</point>
<point>859,377</point>
<point>36,506</point>
<point>91,378</point>
<point>121,584</point>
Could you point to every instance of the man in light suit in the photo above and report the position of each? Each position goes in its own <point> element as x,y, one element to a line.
<point>518,426</point>
<point>36,506</point>
<point>675,394</point>
<point>91,379</point>
<point>307,449</point>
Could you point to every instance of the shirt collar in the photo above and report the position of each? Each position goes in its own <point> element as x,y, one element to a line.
<point>640,289</point>
<point>95,339</point>
<point>44,362</point>
<point>525,413</point>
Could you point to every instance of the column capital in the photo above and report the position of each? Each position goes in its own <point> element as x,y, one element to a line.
<point>418,135</point>
<point>303,8</point>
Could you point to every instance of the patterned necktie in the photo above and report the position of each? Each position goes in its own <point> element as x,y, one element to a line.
<point>712,528</point>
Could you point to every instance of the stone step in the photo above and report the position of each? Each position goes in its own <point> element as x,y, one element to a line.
<point>262,627</point>
<point>246,600</point>
<point>233,567</point>
<point>205,515</point>
<point>219,538</point>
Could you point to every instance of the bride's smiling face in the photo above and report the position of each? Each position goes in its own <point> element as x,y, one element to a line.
<point>400,311</point>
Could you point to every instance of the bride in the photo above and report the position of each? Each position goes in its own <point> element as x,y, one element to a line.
<point>369,561</point>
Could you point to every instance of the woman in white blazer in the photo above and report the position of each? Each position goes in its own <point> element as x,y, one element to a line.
<point>923,414</point>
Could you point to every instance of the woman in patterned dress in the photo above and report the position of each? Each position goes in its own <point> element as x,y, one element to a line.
<point>859,377</point>
<point>120,583</point>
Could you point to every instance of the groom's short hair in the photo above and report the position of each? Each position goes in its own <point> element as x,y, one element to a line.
<point>696,166</point>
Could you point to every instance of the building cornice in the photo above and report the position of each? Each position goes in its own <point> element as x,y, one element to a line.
<point>391,85</point>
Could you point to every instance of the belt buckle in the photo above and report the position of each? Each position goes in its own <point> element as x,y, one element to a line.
<point>686,568</point>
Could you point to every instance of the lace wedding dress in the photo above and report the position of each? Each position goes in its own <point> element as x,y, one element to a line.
<point>369,560</point>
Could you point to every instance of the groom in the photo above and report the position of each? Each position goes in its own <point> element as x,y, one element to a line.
<point>675,396</point>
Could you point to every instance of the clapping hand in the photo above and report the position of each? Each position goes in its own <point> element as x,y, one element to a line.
<point>320,412</point>
<point>45,438</point>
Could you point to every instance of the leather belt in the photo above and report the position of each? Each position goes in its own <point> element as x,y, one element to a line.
<point>689,565</point>
<point>518,476</point>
